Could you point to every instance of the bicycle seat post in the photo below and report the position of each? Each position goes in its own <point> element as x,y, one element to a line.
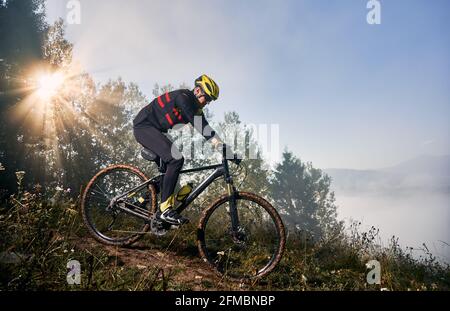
<point>162,166</point>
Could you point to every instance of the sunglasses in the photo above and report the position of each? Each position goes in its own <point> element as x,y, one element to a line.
<point>206,96</point>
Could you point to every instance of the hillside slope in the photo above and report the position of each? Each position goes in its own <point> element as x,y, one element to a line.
<point>179,271</point>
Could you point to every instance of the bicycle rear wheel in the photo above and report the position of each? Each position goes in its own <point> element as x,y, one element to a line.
<point>107,223</point>
<point>257,247</point>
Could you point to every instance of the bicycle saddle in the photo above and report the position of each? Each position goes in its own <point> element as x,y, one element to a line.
<point>148,154</point>
<point>151,156</point>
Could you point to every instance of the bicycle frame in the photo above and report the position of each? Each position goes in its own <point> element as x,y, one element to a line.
<point>219,171</point>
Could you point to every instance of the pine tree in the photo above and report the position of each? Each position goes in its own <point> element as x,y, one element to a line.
<point>302,195</point>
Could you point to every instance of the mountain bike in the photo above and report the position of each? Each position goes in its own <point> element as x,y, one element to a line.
<point>240,234</point>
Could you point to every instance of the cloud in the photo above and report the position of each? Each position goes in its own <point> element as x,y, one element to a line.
<point>427,142</point>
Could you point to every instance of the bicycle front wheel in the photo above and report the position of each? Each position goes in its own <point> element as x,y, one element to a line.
<point>251,252</point>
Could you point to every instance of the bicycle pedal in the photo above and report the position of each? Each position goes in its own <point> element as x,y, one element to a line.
<point>167,226</point>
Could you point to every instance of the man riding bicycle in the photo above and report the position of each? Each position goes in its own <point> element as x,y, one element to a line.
<point>163,113</point>
<point>241,222</point>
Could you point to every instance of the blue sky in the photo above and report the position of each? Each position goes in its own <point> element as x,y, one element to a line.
<point>345,93</point>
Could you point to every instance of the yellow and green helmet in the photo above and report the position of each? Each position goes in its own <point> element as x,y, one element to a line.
<point>208,86</point>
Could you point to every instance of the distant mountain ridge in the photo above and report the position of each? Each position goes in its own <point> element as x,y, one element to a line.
<point>423,173</point>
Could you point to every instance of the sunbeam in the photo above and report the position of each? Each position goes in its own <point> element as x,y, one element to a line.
<point>49,84</point>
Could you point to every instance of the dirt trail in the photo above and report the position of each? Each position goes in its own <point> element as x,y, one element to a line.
<point>186,271</point>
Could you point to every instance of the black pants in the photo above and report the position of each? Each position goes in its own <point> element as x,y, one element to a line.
<point>151,138</point>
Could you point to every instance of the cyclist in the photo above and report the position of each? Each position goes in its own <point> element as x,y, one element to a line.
<point>163,113</point>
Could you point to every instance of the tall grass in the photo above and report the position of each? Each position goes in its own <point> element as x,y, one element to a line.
<point>41,232</point>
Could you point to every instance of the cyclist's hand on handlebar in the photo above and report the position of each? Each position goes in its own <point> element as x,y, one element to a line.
<point>217,144</point>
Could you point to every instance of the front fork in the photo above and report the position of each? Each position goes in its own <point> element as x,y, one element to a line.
<point>233,207</point>
<point>232,194</point>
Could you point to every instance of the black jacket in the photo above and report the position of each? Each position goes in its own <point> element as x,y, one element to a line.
<point>172,108</point>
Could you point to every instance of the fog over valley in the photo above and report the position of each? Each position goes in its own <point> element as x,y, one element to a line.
<point>410,200</point>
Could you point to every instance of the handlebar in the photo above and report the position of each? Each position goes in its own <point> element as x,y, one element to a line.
<point>227,151</point>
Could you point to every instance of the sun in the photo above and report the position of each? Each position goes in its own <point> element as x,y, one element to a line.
<point>49,84</point>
